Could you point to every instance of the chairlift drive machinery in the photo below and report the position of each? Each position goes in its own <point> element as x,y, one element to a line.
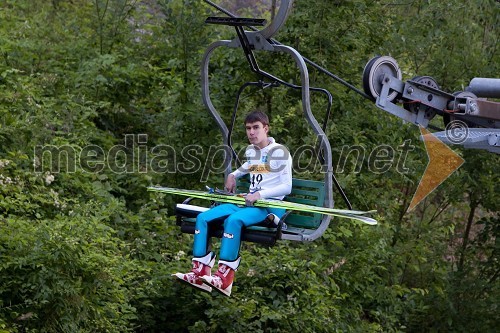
<point>471,119</point>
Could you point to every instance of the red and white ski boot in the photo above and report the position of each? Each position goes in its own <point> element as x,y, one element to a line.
<point>201,266</point>
<point>222,280</point>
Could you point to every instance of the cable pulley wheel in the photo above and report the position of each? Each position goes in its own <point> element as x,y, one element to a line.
<point>375,70</point>
<point>426,81</point>
<point>416,107</point>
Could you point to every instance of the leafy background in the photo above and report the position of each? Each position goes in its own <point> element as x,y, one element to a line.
<point>89,250</point>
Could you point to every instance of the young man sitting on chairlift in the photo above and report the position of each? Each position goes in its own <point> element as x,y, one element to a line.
<point>269,166</point>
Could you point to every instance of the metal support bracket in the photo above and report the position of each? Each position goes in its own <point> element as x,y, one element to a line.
<point>256,39</point>
<point>472,138</point>
<point>393,84</point>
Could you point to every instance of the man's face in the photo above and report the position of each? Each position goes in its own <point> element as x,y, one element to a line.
<point>257,133</point>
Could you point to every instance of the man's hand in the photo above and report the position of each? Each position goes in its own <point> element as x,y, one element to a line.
<point>230,184</point>
<point>250,198</point>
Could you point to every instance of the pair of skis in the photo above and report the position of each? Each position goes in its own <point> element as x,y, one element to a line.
<point>226,197</point>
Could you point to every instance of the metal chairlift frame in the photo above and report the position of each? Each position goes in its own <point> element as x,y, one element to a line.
<point>261,40</point>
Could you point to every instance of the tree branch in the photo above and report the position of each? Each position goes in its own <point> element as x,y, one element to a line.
<point>465,242</point>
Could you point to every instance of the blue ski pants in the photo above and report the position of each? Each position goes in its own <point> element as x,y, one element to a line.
<point>235,218</point>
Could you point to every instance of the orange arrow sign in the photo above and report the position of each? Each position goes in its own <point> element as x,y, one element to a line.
<point>442,163</point>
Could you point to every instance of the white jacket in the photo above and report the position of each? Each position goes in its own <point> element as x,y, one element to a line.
<point>270,170</point>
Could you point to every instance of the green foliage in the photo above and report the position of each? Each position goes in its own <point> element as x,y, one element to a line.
<point>64,274</point>
<point>85,248</point>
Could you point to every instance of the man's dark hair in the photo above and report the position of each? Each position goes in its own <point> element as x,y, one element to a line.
<point>255,116</point>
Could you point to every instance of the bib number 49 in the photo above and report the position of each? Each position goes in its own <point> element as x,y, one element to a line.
<point>256,179</point>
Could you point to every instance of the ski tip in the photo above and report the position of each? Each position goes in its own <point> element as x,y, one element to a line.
<point>371,222</point>
<point>367,220</point>
<point>364,219</point>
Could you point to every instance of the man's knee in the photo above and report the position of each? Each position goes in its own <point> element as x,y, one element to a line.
<point>232,228</point>
<point>201,224</point>
<point>233,224</point>
<point>202,216</point>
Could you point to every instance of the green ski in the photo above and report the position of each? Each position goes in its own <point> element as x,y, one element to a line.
<point>266,203</point>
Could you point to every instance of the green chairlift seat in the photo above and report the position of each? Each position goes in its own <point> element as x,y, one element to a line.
<point>296,226</point>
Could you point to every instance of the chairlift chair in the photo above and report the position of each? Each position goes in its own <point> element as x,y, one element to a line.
<point>299,226</point>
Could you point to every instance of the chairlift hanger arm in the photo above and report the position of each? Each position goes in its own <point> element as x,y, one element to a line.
<point>308,61</point>
<point>254,67</point>
<point>247,47</point>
